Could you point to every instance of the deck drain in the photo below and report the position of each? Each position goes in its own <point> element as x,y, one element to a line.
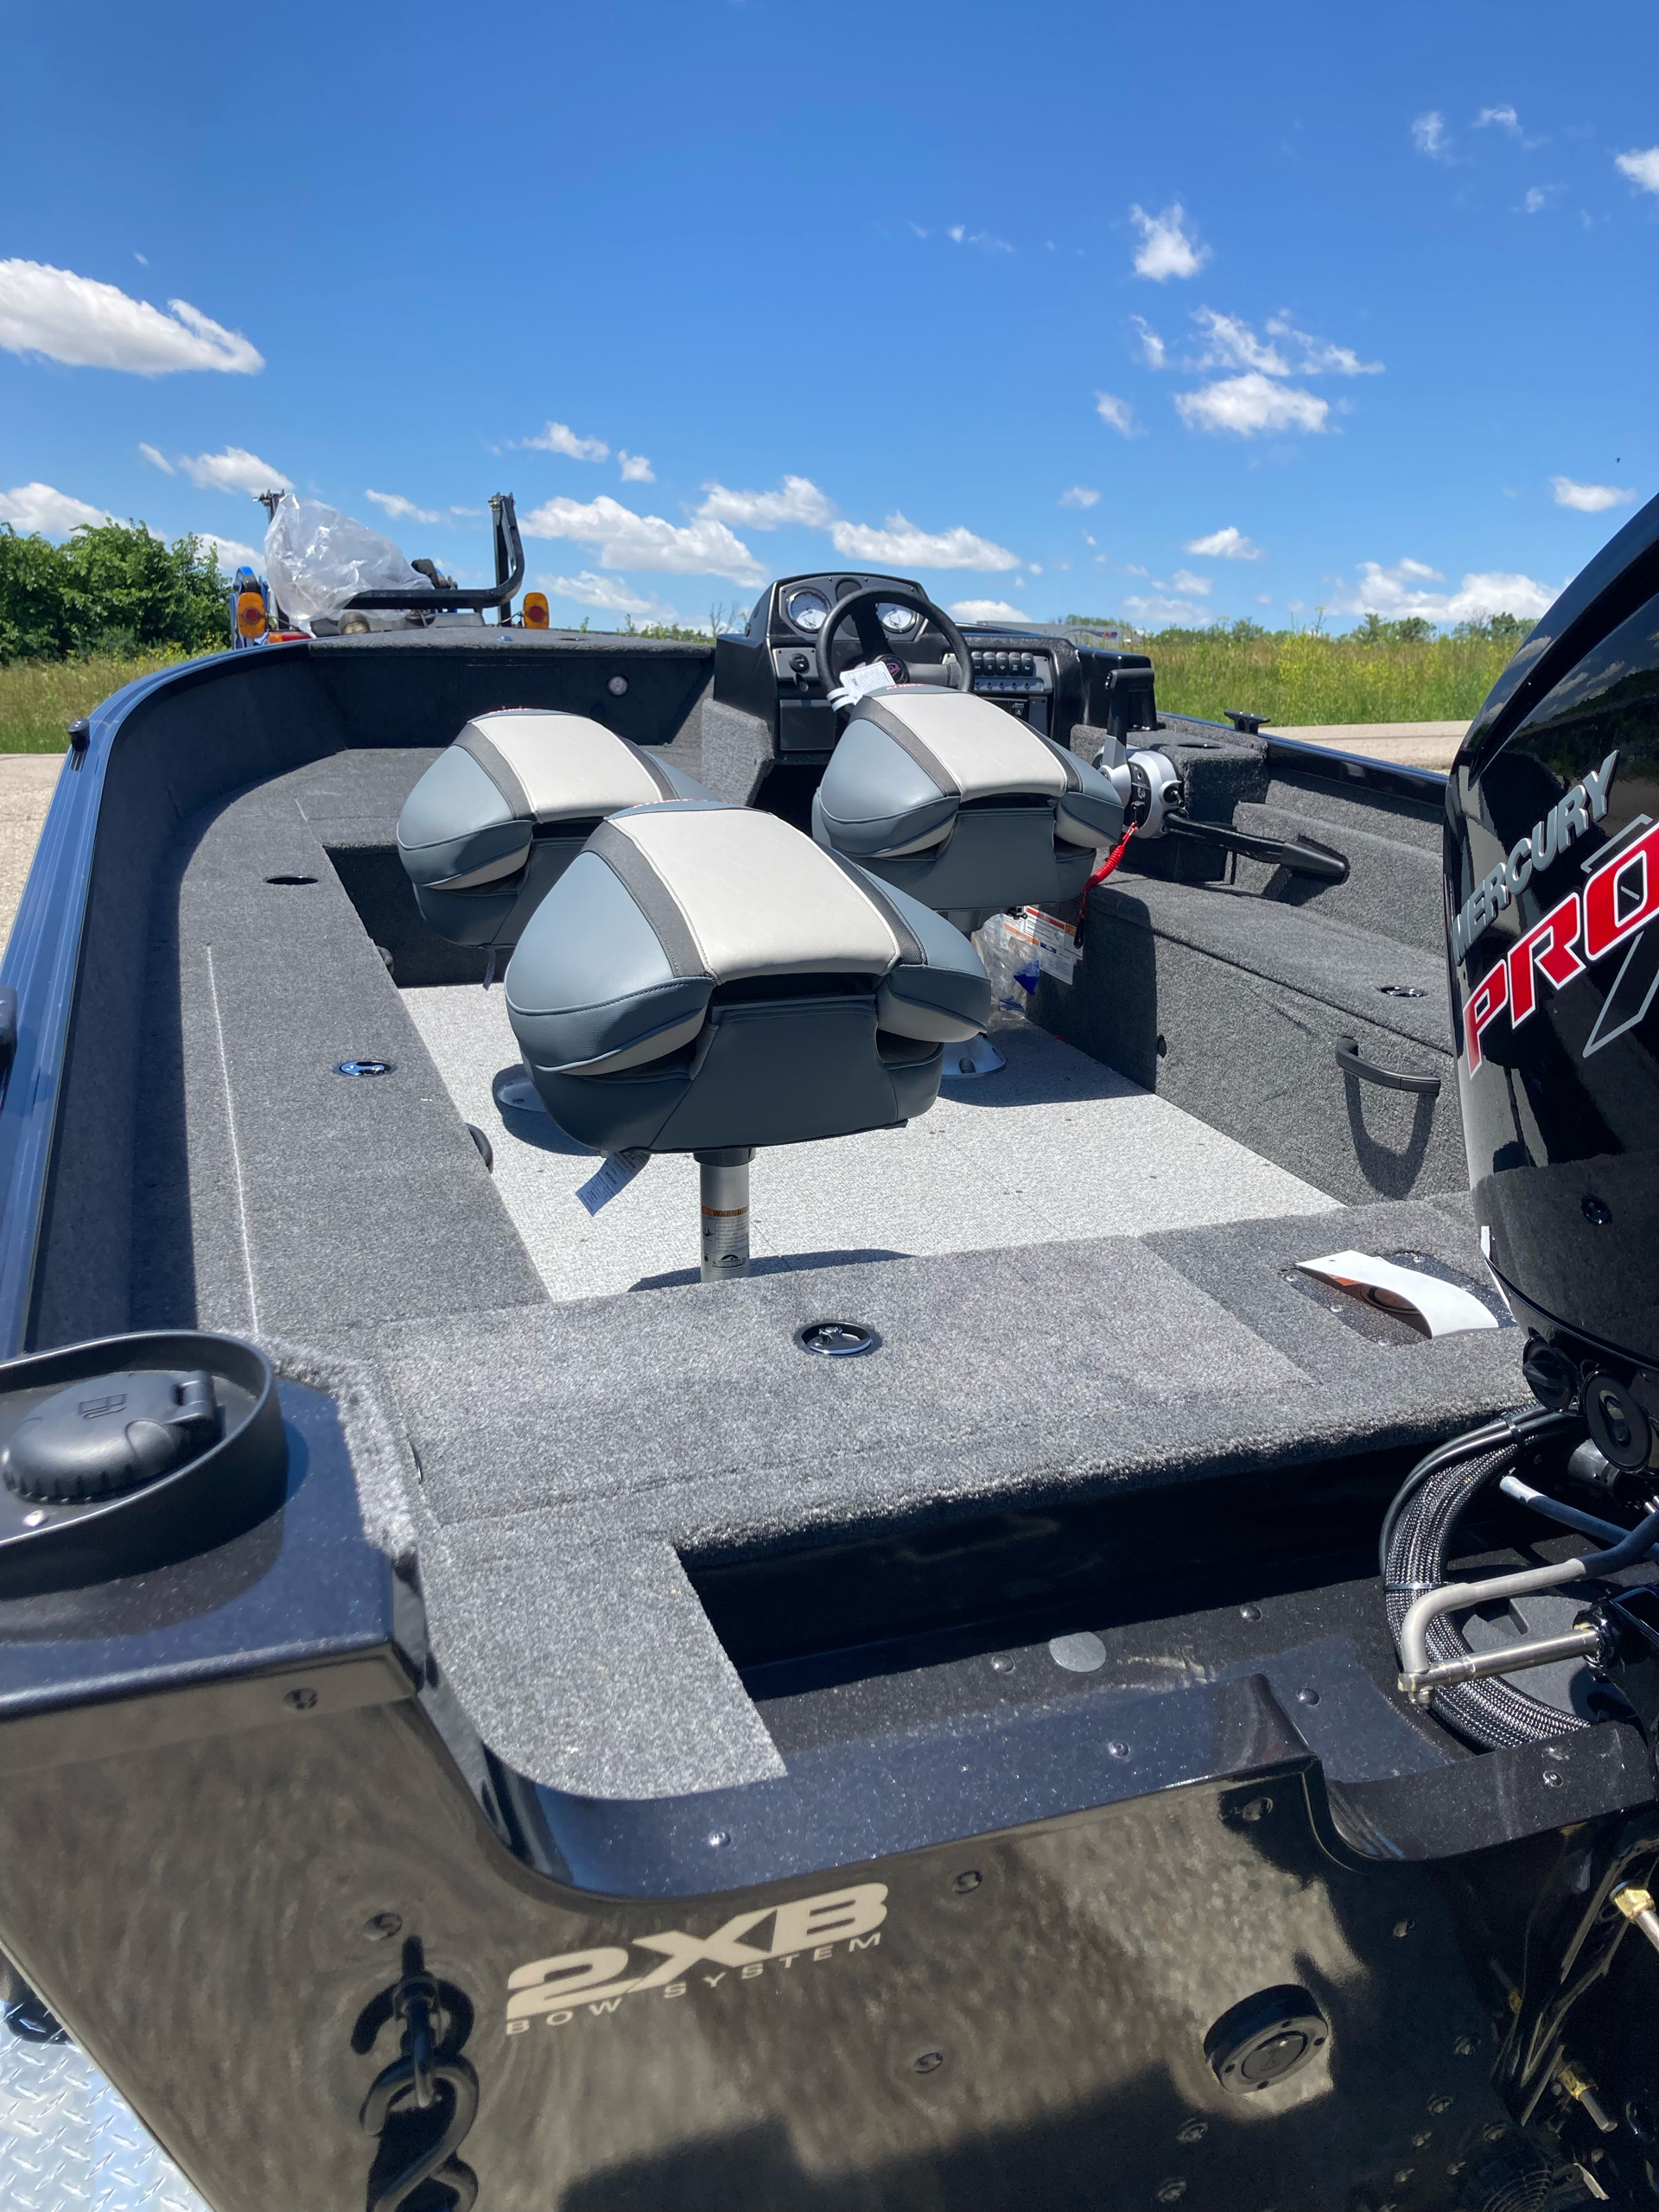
<point>366,1067</point>
<point>290,879</point>
<point>836,1340</point>
<point>1400,991</point>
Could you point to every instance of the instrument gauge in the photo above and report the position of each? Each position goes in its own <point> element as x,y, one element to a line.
<point>807,609</point>
<point>899,621</point>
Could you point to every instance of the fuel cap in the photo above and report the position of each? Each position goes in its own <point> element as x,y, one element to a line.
<point>108,1435</point>
<point>1266,2039</point>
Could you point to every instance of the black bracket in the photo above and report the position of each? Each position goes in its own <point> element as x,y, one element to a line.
<point>509,573</point>
<point>1348,1059</point>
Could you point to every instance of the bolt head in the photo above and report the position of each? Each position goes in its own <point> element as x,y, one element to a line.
<point>1403,1927</point>
<point>927,2062</point>
<point>1194,2132</point>
<point>1249,1613</point>
<point>1257,1810</point>
<point>1420,2139</point>
<point>718,1839</point>
<point>1494,2131</point>
<point>1117,1750</point>
<point>301,1701</point>
<point>1464,2047</point>
<point>1403,2175</point>
<point>1440,2102</point>
<point>1002,1664</point>
<point>1170,2191</point>
<point>967,1880</point>
<point>1551,1780</point>
<point>1308,1697</point>
<point>383,1927</point>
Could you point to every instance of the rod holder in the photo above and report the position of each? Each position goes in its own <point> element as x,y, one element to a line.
<point>725,1207</point>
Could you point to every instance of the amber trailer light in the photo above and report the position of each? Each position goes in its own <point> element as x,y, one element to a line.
<point>250,614</point>
<point>535,610</point>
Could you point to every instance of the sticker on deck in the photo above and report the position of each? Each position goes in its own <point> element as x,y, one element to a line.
<point>617,1172</point>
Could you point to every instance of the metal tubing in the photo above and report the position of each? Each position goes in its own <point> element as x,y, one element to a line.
<point>1537,1652</point>
<point>725,1202</point>
<point>1458,1597</point>
<point>1637,1905</point>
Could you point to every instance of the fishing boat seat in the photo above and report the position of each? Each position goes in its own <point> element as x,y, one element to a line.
<point>499,817</point>
<point>705,976</point>
<point>950,798</point>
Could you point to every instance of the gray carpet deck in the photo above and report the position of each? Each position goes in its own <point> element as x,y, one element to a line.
<point>1055,1146</point>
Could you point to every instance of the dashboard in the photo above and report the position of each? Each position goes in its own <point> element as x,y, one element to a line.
<point>1042,676</point>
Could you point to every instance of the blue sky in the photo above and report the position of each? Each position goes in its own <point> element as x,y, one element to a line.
<point>1167,315</point>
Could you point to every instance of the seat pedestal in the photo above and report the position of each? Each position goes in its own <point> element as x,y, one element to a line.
<point>724,1198</point>
<point>977,1057</point>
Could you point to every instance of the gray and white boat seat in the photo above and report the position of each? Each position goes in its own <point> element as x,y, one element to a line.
<point>704,977</point>
<point>498,818</point>
<point>947,797</point>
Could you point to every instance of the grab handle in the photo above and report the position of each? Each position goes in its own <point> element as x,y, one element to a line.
<point>1348,1059</point>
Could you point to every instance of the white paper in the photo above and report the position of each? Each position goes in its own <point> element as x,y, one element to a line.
<point>617,1171</point>
<point>859,683</point>
<point>1441,1309</point>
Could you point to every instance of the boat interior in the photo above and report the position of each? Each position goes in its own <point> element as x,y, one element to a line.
<point>664,1551</point>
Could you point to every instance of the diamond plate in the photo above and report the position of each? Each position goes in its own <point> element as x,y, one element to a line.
<point>70,2143</point>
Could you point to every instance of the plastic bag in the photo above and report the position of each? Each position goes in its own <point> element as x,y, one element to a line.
<point>317,559</point>
<point>1009,949</point>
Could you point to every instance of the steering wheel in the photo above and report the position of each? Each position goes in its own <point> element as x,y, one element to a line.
<point>859,609</point>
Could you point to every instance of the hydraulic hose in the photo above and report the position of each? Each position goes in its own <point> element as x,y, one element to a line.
<point>1417,1535</point>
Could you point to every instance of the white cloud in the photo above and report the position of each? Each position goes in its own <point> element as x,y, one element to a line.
<point>1116,412</point>
<point>1186,614</point>
<point>1398,591</point>
<point>986,610</point>
<point>1640,166</point>
<point>1080,495</point>
<point>1247,405</point>
<point>559,437</point>
<point>797,500</point>
<point>1087,538</point>
<point>611,594</point>
<point>93,326</point>
<point>53,513</point>
<point>1264,598</point>
<point>1318,357</point>
<point>401,510</point>
<point>636,469</point>
<point>1428,136</point>
<point>1229,544</point>
<point>1165,251</point>
<point>1231,343</point>
<point>1185,581</point>
<point>230,552</point>
<point>1036,568</point>
<point>236,469</point>
<point>1505,117</point>
<point>1589,498</point>
<point>156,459</point>
<point>1536,200</point>
<point>627,540</point>
<point>901,543</point>
<point>1153,351</point>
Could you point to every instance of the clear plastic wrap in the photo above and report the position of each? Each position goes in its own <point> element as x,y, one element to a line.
<point>1008,946</point>
<point>317,559</point>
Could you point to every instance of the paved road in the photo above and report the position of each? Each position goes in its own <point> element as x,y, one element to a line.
<point>27,782</point>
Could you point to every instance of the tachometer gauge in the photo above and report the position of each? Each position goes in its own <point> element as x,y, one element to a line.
<point>899,621</point>
<point>807,609</point>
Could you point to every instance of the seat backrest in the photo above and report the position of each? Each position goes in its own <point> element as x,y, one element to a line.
<point>497,817</point>
<point>706,975</point>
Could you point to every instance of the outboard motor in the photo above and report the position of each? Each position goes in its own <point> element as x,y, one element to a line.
<point>1552,862</point>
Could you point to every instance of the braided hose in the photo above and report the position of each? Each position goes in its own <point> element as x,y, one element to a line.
<point>1492,1711</point>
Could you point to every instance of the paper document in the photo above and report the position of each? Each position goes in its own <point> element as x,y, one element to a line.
<point>615,1173</point>
<point>1439,1309</point>
<point>858,683</point>
<point>1056,945</point>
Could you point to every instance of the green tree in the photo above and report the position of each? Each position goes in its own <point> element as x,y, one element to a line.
<point>126,591</point>
<point>33,619</point>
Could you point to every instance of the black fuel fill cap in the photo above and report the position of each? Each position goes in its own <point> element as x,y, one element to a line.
<point>132,1453</point>
<point>109,1434</point>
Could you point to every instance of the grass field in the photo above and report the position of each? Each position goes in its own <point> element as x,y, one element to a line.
<point>40,698</point>
<point>1292,677</point>
<point>1297,677</point>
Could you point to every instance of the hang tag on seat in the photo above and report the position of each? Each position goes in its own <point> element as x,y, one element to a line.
<point>616,1172</point>
<point>858,683</point>
<point>1424,1302</point>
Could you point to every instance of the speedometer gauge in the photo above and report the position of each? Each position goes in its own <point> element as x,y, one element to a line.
<point>899,621</point>
<point>807,609</point>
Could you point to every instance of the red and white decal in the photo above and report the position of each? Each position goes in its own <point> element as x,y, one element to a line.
<point>1618,900</point>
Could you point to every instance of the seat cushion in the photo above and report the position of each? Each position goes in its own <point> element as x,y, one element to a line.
<point>705,975</point>
<point>956,801</point>
<point>497,817</point>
